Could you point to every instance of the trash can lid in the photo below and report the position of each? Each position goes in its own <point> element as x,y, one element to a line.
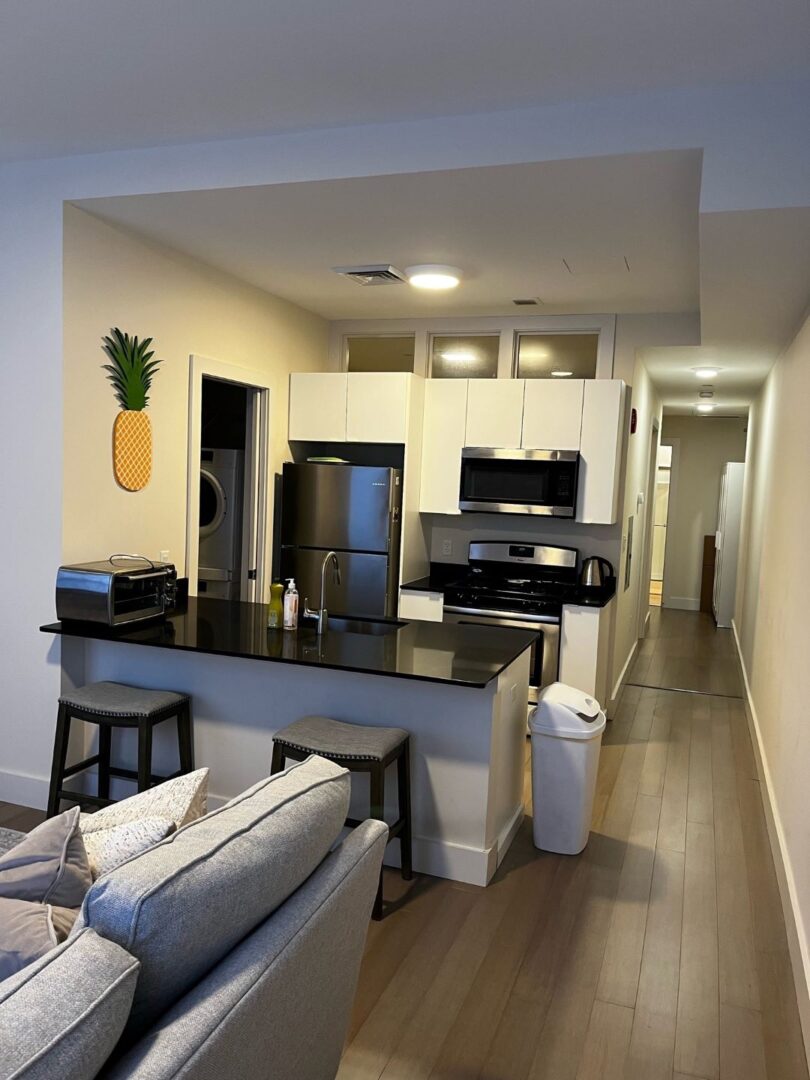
<point>567,713</point>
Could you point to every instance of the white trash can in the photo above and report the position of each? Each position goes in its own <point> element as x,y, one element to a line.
<point>566,729</point>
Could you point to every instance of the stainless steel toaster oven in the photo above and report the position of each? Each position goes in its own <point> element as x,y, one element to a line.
<point>121,589</point>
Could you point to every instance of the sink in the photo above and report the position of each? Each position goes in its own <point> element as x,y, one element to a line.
<point>339,624</point>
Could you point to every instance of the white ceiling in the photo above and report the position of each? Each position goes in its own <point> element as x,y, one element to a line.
<point>508,228</point>
<point>106,74</point>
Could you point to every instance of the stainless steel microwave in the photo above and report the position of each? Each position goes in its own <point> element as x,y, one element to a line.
<point>519,481</point>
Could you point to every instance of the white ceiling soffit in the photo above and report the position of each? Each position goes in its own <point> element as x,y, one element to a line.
<point>599,234</point>
<point>108,74</point>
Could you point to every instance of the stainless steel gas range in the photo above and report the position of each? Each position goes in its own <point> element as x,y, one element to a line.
<point>521,585</point>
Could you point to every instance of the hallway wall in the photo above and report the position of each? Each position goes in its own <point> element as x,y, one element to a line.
<point>771,622</point>
<point>705,445</point>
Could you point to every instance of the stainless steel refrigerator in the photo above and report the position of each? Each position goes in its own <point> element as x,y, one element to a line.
<point>354,510</point>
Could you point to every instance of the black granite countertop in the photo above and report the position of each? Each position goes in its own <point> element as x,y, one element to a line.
<point>578,595</point>
<point>469,656</point>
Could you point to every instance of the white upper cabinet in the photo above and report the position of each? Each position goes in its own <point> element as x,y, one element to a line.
<point>443,437</point>
<point>377,408</point>
<point>494,412</point>
<point>552,414</point>
<point>601,451</point>
<point>318,406</point>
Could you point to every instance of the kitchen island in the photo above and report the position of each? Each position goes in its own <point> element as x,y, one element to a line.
<point>459,690</point>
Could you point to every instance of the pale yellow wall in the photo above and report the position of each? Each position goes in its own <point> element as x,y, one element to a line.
<point>704,445</point>
<point>773,600</point>
<point>114,279</point>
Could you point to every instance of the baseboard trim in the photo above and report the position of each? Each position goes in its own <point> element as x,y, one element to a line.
<point>796,935</point>
<point>682,603</point>
<point>617,689</point>
<point>22,788</point>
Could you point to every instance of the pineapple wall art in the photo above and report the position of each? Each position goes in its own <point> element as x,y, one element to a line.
<point>131,370</point>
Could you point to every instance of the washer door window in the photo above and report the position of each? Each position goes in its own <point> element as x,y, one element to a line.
<point>213,504</point>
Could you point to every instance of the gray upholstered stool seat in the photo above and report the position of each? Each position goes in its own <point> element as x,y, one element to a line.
<point>360,749</point>
<point>335,739</point>
<point>117,699</point>
<point>111,705</point>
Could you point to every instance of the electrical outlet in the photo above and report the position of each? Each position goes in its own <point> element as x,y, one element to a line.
<point>163,556</point>
<point>447,546</point>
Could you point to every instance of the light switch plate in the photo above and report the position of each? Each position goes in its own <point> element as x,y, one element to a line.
<point>163,556</point>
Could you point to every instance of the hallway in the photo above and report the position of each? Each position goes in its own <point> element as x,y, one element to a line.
<point>660,953</point>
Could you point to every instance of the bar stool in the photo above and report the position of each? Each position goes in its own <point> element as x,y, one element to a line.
<point>359,749</point>
<point>114,705</point>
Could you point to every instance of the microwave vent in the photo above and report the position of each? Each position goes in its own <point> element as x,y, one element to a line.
<point>378,274</point>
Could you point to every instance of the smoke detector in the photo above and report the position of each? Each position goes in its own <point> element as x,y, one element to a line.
<point>378,274</point>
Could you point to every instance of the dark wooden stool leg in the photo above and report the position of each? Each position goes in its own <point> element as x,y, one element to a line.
<point>144,755</point>
<point>277,764</point>
<point>404,784</point>
<point>60,749</point>
<point>185,738</point>
<point>104,753</point>
<point>377,810</point>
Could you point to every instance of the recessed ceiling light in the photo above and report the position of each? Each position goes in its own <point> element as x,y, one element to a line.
<point>561,374</point>
<point>705,407</point>
<point>433,276</point>
<point>706,372</point>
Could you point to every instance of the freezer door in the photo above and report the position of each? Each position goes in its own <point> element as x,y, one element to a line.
<point>345,507</point>
<point>364,587</point>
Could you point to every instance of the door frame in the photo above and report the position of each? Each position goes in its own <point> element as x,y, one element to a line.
<point>672,502</point>
<point>643,614</point>
<point>256,539</point>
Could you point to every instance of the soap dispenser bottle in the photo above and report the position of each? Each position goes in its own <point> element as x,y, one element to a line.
<point>291,606</point>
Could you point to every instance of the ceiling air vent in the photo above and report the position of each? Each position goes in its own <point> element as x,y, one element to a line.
<point>381,274</point>
<point>529,302</point>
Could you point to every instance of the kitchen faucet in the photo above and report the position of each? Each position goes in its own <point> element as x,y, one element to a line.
<point>320,614</point>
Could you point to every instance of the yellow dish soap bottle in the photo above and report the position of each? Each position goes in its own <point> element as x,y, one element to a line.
<point>275,609</point>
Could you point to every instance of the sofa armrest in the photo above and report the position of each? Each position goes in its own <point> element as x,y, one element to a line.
<point>278,1005</point>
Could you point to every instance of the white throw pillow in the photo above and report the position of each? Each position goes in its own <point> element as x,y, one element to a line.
<point>108,848</point>
<point>181,800</point>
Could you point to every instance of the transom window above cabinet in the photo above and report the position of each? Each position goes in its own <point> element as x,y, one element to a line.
<point>382,352</point>
<point>556,356</point>
<point>464,356</point>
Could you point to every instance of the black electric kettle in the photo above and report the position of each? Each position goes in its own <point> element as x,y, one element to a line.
<point>595,572</point>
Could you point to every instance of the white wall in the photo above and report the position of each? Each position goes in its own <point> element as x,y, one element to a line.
<point>771,623</point>
<point>704,446</point>
<point>114,279</point>
<point>731,124</point>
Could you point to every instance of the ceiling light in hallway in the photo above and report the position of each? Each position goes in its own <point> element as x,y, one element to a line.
<point>706,372</point>
<point>705,407</point>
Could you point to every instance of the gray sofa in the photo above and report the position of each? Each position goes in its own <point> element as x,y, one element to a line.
<point>229,950</point>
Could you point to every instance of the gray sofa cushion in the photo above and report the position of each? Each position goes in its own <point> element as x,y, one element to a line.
<point>278,1006</point>
<point>62,1015</point>
<point>49,864</point>
<point>182,905</point>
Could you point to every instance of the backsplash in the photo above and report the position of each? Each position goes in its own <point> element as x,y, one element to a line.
<point>450,536</point>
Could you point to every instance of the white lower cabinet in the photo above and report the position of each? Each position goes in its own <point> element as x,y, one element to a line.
<point>419,606</point>
<point>584,640</point>
<point>552,414</point>
<point>444,434</point>
<point>494,412</point>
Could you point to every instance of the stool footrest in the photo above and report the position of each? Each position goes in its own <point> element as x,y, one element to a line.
<point>88,763</point>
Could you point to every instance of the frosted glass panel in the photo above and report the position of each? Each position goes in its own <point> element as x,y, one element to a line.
<point>573,356</point>
<point>465,356</point>
<point>382,353</point>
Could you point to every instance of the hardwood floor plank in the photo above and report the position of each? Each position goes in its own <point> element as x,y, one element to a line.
<point>618,980</point>
<point>672,824</point>
<point>697,1025</point>
<point>652,1042</point>
<point>785,1057</point>
<point>744,759</point>
<point>655,759</point>
<point>513,1048</point>
<point>742,1053</point>
<point>606,1042</point>
<point>699,803</point>
<point>642,720</point>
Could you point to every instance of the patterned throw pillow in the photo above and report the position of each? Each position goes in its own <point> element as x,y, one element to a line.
<point>181,800</point>
<point>108,848</point>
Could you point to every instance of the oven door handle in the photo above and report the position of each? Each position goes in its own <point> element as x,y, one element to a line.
<point>542,620</point>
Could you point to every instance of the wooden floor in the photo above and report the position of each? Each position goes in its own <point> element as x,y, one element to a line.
<point>683,650</point>
<point>658,953</point>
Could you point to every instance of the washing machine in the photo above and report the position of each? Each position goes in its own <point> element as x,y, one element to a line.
<point>220,555</point>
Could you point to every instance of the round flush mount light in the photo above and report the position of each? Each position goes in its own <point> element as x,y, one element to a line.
<point>705,407</point>
<point>433,276</point>
<point>561,374</point>
<point>706,372</point>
